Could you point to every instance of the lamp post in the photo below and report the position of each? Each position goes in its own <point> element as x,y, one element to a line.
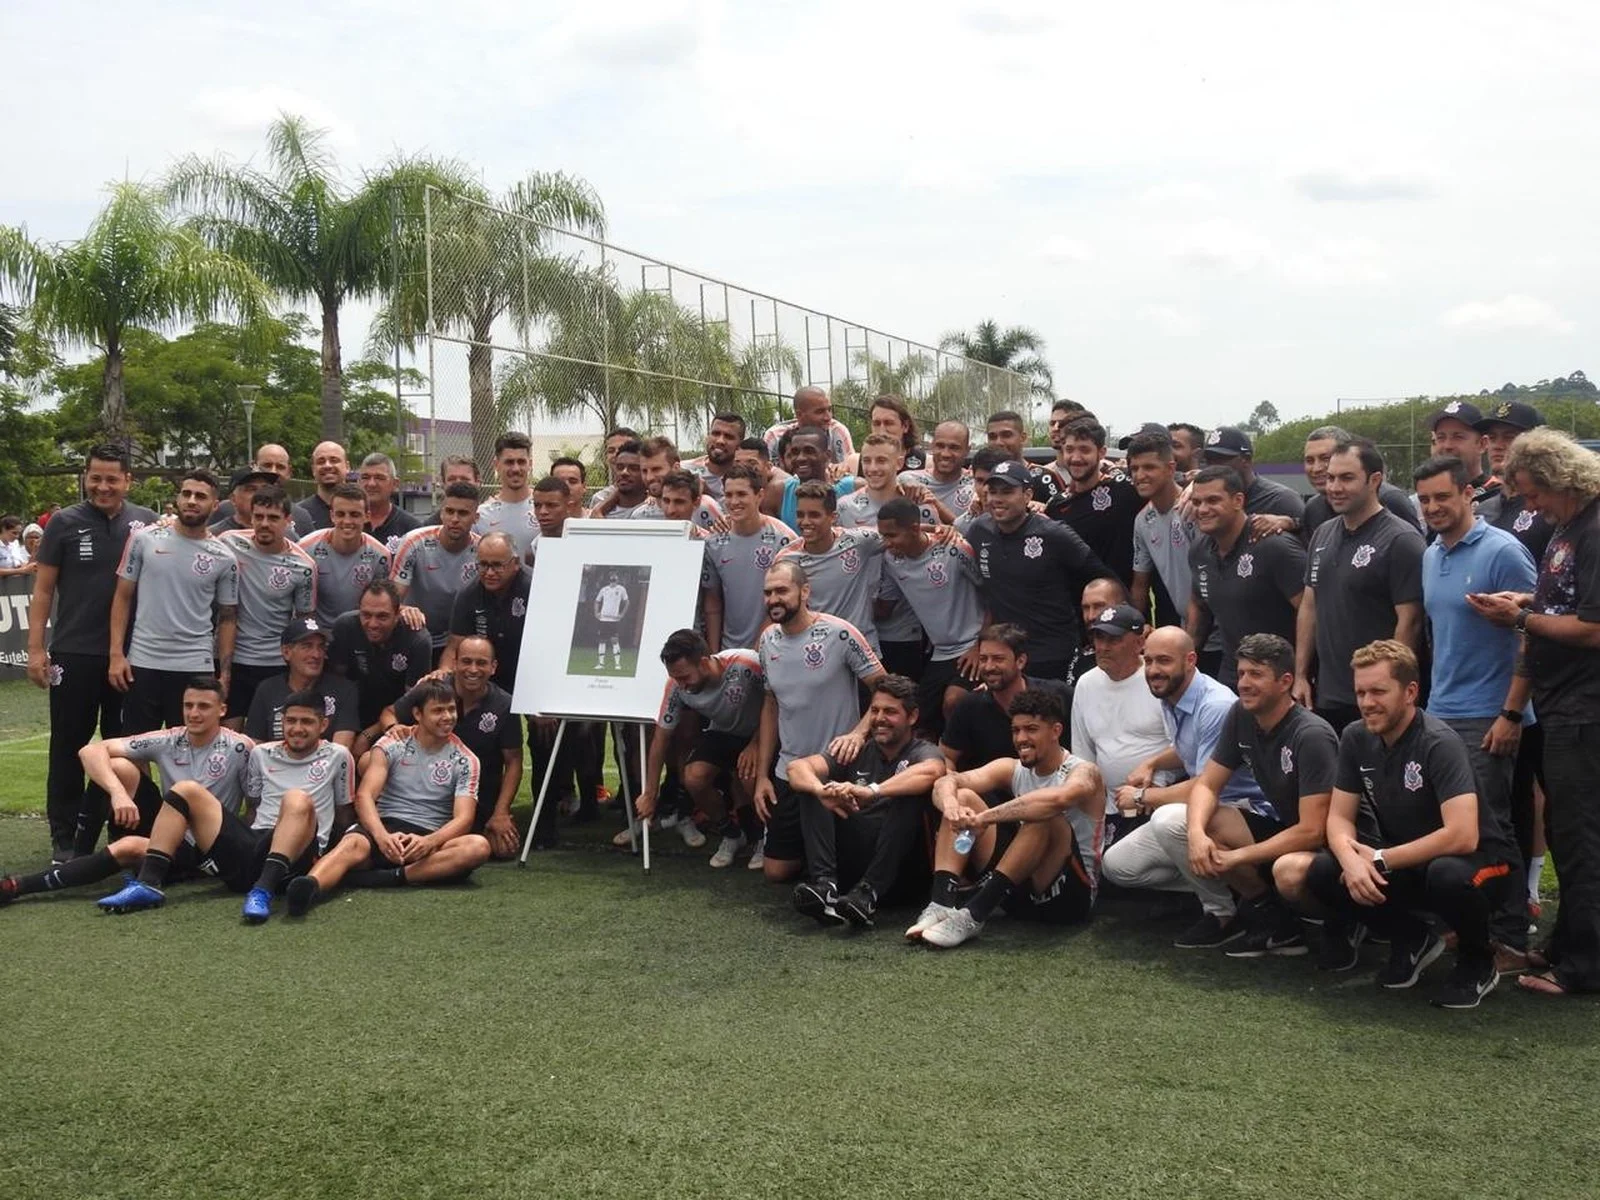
<point>248,394</point>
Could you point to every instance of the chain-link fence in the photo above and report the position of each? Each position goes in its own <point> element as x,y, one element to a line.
<point>533,327</point>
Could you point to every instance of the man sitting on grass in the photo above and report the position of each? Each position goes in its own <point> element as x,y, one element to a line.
<point>414,810</point>
<point>201,751</point>
<point>1040,850</point>
<point>293,789</point>
<point>860,822</point>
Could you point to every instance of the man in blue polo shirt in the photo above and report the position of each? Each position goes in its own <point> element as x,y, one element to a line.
<point>1476,690</point>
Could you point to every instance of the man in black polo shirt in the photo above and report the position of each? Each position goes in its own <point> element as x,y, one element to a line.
<point>305,648</point>
<point>375,651</point>
<point>1239,586</point>
<point>77,574</point>
<point>494,606</point>
<point>860,819</point>
<point>1291,752</point>
<point>486,726</point>
<point>1363,584</point>
<point>1507,509</point>
<point>1407,834</point>
<point>1099,507</point>
<point>1272,508</point>
<point>978,730</point>
<point>1032,569</point>
<point>1318,450</point>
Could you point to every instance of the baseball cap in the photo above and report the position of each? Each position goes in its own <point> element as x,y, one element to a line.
<point>1457,410</point>
<point>1118,620</point>
<point>1228,442</point>
<point>301,628</point>
<point>1513,413</point>
<point>1151,427</point>
<point>1011,473</point>
<point>246,475</point>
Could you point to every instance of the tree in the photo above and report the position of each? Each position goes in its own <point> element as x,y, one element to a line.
<point>134,267</point>
<point>1262,419</point>
<point>311,237</point>
<point>1017,349</point>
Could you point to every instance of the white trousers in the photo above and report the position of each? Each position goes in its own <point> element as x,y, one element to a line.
<point>1156,855</point>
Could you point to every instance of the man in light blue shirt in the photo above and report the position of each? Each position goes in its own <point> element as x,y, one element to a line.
<point>1194,708</point>
<point>1475,686</point>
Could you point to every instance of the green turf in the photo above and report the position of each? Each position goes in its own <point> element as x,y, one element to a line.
<point>581,662</point>
<point>577,1029</point>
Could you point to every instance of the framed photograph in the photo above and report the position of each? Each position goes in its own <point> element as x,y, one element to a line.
<point>605,596</point>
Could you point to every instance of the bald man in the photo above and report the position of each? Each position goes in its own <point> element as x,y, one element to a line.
<point>270,458</point>
<point>1194,709</point>
<point>813,410</point>
<point>330,468</point>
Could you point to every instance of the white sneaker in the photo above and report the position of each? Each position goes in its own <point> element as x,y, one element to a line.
<point>726,849</point>
<point>931,916</point>
<point>958,927</point>
<point>690,833</point>
<point>667,821</point>
<point>758,856</point>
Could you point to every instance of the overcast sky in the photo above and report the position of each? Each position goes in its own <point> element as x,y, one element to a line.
<point>1199,206</point>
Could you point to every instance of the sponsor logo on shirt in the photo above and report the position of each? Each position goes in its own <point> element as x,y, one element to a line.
<point>330,706</point>
<point>1413,779</point>
<point>469,572</point>
<point>1246,566</point>
<point>216,763</point>
<point>735,694</point>
<point>86,546</point>
<point>1032,547</point>
<point>1362,556</point>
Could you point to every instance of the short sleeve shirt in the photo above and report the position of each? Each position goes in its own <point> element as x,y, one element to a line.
<point>218,766</point>
<point>1295,760</point>
<point>489,728</point>
<point>870,766</point>
<point>840,444</point>
<point>341,578</point>
<point>340,703</point>
<point>85,546</point>
<point>1268,496</point>
<point>273,587</point>
<point>478,612</point>
<point>1104,518</point>
<point>1250,589</point>
<point>732,706</point>
<point>1034,577</point>
<point>1163,543</point>
<point>736,564</point>
<point>941,586</point>
<point>814,676</point>
<point>327,774</point>
<point>1566,679</point>
<point>423,784</point>
<point>395,526</point>
<point>433,575</point>
<point>381,673</point>
<point>844,579</point>
<point>181,580</point>
<point>979,730</point>
<point>514,518</point>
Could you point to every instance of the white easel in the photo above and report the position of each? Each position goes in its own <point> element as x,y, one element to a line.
<point>638,831</point>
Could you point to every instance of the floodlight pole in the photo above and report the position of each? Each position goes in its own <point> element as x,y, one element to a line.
<point>248,394</point>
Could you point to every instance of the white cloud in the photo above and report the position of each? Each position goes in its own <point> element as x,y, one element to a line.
<point>1219,245</point>
<point>1348,187</point>
<point>1511,313</point>
<point>1168,320</point>
<point>1059,248</point>
<point>247,111</point>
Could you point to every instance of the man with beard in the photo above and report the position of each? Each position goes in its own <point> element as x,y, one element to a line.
<point>376,652</point>
<point>979,727</point>
<point>737,559</point>
<point>455,468</point>
<point>242,487</point>
<point>1506,509</point>
<point>1318,450</point>
<point>842,566</point>
<point>73,587</point>
<point>812,664</point>
<point>305,649</point>
<point>1008,432</point>
<point>807,457</point>
<point>1188,443</point>
<point>659,459</point>
<point>627,493</point>
<point>1037,855</point>
<point>295,791</point>
<point>432,564</point>
<point>510,510</point>
<point>345,556</point>
<point>1272,507</point>
<point>277,582</point>
<point>1100,508</point>
<point>330,468</point>
<point>1162,533</point>
<point>814,411</point>
<point>860,820</point>
<point>726,431</point>
<point>189,583</point>
<point>1363,584</point>
<point>1194,709</point>
<point>945,475</point>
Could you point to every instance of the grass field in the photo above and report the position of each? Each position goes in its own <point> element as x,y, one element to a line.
<point>579,1029</point>
<point>581,662</point>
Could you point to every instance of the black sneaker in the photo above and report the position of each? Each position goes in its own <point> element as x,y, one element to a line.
<point>1341,946</point>
<point>818,901</point>
<point>1468,984</point>
<point>300,895</point>
<point>858,906</point>
<point>1282,937</point>
<point>1209,932</point>
<point>1408,958</point>
<point>61,855</point>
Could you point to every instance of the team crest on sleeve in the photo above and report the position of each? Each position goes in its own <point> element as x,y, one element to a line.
<point>362,574</point>
<point>1100,498</point>
<point>1246,566</point>
<point>1032,547</point>
<point>518,607</point>
<point>1524,521</point>
<point>1413,779</point>
<point>850,560</point>
<point>1362,557</point>
<point>937,575</point>
<point>203,564</point>
<point>1286,761</point>
<point>398,662</point>
<point>317,771</point>
<point>764,557</point>
<point>440,774</point>
<point>488,722</point>
<point>814,655</point>
<point>278,579</point>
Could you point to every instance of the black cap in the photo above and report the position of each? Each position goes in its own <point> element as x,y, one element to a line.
<point>301,628</point>
<point>1151,427</point>
<point>1228,442</point>
<point>1118,620</point>
<point>1513,413</point>
<point>1011,473</point>
<point>246,475</point>
<point>1457,410</point>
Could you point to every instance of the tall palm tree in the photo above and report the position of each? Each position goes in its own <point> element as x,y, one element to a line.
<point>134,267</point>
<point>308,234</point>
<point>1018,349</point>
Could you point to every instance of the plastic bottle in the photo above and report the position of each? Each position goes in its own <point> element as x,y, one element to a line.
<point>964,841</point>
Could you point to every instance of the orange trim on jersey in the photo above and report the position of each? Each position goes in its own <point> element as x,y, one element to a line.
<point>1494,871</point>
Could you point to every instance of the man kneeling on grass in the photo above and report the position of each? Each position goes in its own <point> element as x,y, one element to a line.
<point>1040,850</point>
<point>414,810</point>
<point>292,790</point>
<point>860,821</point>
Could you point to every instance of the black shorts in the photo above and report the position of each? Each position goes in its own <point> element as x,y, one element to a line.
<point>378,856</point>
<point>784,840</point>
<point>1070,896</point>
<point>936,677</point>
<point>721,750</point>
<point>242,685</point>
<point>1261,828</point>
<point>902,658</point>
<point>239,852</point>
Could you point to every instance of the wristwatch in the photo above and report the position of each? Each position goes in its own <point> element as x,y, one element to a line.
<point>1523,614</point>
<point>1138,800</point>
<point>1511,715</point>
<point>874,789</point>
<point>1377,861</point>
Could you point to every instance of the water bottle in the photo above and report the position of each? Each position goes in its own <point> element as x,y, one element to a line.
<point>964,840</point>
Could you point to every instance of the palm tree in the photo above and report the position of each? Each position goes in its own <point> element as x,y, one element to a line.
<point>134,267</point>
<point>308,235</point>
<point>486,260</point>
<point>1015,349</point>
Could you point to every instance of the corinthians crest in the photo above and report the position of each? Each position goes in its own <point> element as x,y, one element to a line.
<point>1413,780</point>
<point>1362,556</point>
<point>1032,547</point>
